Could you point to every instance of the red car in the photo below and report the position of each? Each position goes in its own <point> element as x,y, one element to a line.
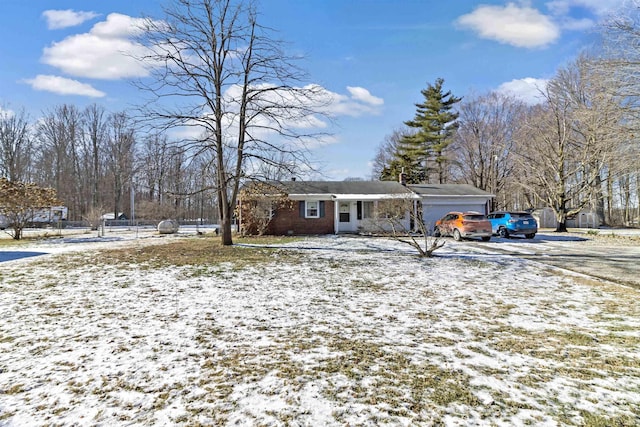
<point>463,225</point>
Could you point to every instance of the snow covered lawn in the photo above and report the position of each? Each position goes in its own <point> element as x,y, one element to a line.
<point>319,331</point>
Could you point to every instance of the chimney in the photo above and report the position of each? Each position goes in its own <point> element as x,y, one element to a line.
<point>402,178</point>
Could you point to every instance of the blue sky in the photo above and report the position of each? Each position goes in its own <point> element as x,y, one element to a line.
<point>373,56</point>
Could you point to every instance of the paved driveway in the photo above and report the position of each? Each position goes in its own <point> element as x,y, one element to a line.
<point>615,258</point>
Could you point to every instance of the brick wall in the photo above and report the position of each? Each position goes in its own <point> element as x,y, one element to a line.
<point>289,221</point>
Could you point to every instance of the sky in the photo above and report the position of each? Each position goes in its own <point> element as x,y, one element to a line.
<point>373,56</point>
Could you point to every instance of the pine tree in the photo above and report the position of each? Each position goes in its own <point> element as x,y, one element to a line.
<point>435,124</point>
<point>413,172</point>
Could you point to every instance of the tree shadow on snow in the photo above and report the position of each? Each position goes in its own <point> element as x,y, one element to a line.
<point>14,255</point>
<point>542,238</point>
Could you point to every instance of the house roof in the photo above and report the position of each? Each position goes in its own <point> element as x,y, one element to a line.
<point>448,190</point>
<point>363,190</point>
<point>337,188</point>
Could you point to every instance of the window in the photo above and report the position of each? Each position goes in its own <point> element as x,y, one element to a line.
<point>367,210</point>
<point>312,209</point>
<point>392,209</point>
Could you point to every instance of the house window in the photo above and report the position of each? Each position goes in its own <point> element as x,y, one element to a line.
<point>367,210</point>
<point>312,209</point>
<point>389,209</point>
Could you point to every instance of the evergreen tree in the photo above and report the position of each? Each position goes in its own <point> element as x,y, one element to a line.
<point>413,172</point>
<point>435,124</point>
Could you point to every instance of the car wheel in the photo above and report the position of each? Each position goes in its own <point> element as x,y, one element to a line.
<point>436,232</point>
<point>456,235</point>
<point>530,235</point>
<point>486,238</point>
<point>502,232</point>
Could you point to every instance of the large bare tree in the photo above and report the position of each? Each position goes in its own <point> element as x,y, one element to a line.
<point>94,147</point>
<point>619,64</point>
<point>484,145</point>
<point>121,158</point>
<point>569,140</point>
<point>58,134</point>
<point>216,70</point>
<point>15,145</point>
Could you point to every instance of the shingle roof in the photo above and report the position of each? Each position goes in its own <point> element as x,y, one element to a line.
<point>375,188</point>
<point>447,190</point>
<point>343,187</point>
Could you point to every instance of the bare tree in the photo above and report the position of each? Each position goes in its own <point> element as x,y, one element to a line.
<point>15,145</point>
<point>391,218</point>
<point>260,201</point>
<point>121,149</point>
<point>59,133</point>
<point>217,71</point>
<point>599,125</point>
<point>21,200</point>
<point>619,64</point>
<point>387,153</point>
<point>94,142</point>
<point>568,141</point>
<point>484,144</point>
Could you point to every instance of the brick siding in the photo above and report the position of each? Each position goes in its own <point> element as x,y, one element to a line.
<point>288,221</point>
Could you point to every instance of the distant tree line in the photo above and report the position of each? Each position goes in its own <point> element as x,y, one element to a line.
<point>97,162</point>
<point>224,104</point>
<point>578,148</point>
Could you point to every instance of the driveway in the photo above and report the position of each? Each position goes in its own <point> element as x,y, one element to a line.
<point>613,256</point>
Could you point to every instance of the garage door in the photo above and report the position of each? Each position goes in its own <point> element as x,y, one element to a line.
<point>431,213</point>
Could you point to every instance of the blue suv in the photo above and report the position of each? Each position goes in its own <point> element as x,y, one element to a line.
<point>505,224</point>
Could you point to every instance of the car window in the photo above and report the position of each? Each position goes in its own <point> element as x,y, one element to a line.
<point>474,217</point>
<point>521,215</point>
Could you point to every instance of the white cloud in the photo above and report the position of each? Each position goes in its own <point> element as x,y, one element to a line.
<point>105,52</point>
<point>528,89</point>
<point>118,26</point>
<point>57,19</point>
<point>519,26</point>
<point>63,86</point>
<point>358,103</point>
<point>362,94</point>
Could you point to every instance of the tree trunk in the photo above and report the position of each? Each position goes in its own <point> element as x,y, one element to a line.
<point>561,227</point>
<point>600,210</point>
<point>561,219</point>
<point>227,239</point>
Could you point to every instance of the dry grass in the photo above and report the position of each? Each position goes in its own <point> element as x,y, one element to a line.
<point>350,364</point>
<point>190,251</point>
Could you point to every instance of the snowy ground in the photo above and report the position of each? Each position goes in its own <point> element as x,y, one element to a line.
<point>327,331</point>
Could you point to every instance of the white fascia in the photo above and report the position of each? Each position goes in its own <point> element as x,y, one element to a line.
<point>374,197</point>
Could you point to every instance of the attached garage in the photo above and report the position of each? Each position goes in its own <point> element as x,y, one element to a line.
<point>439,199</point>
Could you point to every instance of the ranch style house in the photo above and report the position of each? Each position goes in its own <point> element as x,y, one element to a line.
<point>332,207</point>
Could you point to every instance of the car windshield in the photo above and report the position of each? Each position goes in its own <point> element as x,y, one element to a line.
<point>474,217</point>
